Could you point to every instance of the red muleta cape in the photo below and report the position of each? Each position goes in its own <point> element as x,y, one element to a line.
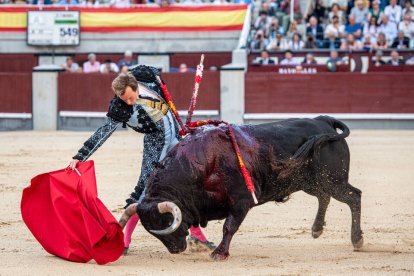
<point>64,213</point>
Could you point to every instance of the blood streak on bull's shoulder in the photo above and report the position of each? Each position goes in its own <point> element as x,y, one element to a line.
<point>214,161</point>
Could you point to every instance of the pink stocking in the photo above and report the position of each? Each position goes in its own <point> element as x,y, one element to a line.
<point>197,233</point>
<point>129,229</point>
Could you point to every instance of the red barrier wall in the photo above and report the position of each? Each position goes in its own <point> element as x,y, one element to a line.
<point>181,87</point>
<point>193,59</point>
<point>330,93</point>
<point>16,92</point>
<point>92,92</point>
<point>19,63</point>
<point>84,92</point>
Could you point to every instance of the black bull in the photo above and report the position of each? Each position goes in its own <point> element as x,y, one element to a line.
<point>200,179</point>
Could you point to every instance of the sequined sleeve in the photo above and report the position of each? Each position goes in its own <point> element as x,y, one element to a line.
<point>97,139</point>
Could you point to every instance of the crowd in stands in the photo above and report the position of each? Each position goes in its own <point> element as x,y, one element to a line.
<point>94,66</point>
<point>348,25</point>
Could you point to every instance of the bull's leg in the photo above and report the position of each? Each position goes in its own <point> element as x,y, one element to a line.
<point>352,196</point>
<point>319,223</point>
<point>230,227</point>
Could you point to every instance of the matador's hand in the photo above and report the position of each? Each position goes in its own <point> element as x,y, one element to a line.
<point>73,164</point>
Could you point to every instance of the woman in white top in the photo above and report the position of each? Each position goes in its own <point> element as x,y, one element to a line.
<point>371,29</point>
<point>296,42</point>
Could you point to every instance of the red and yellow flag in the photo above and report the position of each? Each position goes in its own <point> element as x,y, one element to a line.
<point>139,19</point>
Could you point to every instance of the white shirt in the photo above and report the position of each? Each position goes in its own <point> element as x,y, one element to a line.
<point>288,62</point>
<point>408,29</point>
<point>393,13</point>
<point>390,30</point>
<point>113,66</point>
<point>331,29</point>
<point>119,3</point>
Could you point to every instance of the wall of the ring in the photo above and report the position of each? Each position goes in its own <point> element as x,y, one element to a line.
<point>143,42</point>
<point>16,92</point>
<point>379,92</point>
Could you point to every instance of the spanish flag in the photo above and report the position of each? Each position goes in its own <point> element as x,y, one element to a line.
<point>139,19</point>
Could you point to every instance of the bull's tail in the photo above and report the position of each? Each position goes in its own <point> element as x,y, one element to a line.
<point>315,141</point>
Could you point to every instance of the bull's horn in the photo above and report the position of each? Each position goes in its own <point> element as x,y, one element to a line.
<point>169,207</point>
<point>129,211</point>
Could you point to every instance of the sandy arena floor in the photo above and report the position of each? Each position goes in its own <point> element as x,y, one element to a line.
<point>273,240</point>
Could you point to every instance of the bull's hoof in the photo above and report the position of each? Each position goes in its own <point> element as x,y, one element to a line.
<point>219,256</point>
<point>358,245</point>
<point>316,234</point>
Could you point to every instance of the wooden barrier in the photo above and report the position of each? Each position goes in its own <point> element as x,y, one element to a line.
<point>19,63</point>
<point>92,92</point>
<point>192,59</point>
<point>329,93</point>
<point>16,92</point>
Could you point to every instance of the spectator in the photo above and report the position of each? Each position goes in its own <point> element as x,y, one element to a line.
<point>309,59</point>
<point>350,43</point>
<point>375,12</point>
<point>124,69</point>
<point>269,9</point>
<point>90,3</point>
<point>264,58</point>
<point>92,65</point>
<point>316,31</point>
<point>288,60</point>
<point>394,12</point>
<point>315,8</point>
<point>262,22</point>
<point>167,3</point>
<point>293,29</point>
<point>343,4</point>
<point>395,60</point>
<point>407,26</point>
<point>127,60</point>
<point>360,12</point>
<point>335,10</point>
<point>401,41</point>
<point>296,42</point>
<point>333,33</point>
<point>334,60</point>
<point>388,28</point>
<point>367,43</point>
<point>108,67</point>
<point>71,66</point>
<point>310,42</point>
<point>42,2</point>
<point>410,61</point>
<point>377,59</point>
<point>353,27</point>
<point>68,2</point>
<point>274,29</point>
<point>381,42</point>
<point>259,42</point>
<point>184,69</point>
<point>119,4</point>
<point>408,8</point>
<point>285,8</point>
<point>371,29</point>
<point>278,44</point>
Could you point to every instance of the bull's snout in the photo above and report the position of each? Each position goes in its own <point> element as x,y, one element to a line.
<point>176,249</point>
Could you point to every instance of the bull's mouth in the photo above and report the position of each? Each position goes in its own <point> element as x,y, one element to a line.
<point>176,250</point>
